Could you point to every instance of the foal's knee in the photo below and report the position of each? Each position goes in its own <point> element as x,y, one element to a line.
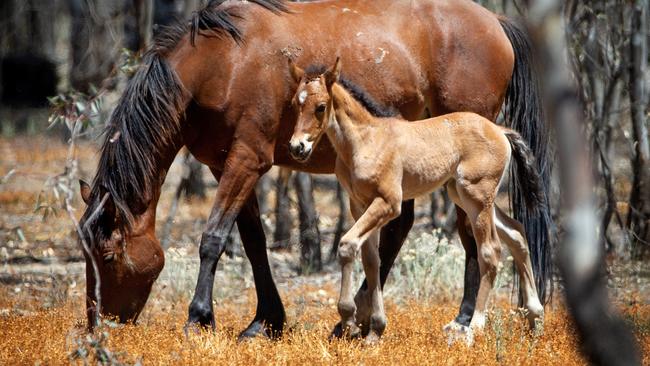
<point>348,251</point>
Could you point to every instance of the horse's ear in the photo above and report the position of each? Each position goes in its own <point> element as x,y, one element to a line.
<point>84,189</point>
<point>296,72</point>
<point>332,75</point>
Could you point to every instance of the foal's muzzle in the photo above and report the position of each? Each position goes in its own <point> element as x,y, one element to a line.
<point>300,149</point>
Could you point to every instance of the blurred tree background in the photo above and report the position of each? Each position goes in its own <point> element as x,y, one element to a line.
<point>56,46</point>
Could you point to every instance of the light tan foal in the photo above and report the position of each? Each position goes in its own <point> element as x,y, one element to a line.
<point>382,161</point>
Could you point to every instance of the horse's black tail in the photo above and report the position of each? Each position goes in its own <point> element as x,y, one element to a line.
<point>523,113</point>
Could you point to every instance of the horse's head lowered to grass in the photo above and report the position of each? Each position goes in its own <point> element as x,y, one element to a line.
<point>128,261</point>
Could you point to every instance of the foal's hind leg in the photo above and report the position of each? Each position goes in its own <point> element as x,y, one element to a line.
<point>477,200</point>
<point>512,233</point>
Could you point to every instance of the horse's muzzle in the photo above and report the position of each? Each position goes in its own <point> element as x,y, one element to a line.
<point>300,149</point>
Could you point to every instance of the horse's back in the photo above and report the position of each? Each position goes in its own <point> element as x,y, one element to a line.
<point>454,57</point>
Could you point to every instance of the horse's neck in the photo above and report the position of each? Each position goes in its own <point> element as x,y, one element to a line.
<point>350,125</point>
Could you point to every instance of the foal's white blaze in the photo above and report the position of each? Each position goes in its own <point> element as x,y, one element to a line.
<point>302,96</point>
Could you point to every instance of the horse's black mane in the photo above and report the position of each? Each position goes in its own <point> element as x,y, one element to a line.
<point>146,120</point>
<point>362,96</point>
<point>216,20</point>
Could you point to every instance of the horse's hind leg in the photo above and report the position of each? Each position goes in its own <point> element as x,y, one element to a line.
<point>370,257</point>
<point>512,233</point>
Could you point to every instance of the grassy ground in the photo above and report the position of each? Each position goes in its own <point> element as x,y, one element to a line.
<point>42,286</point>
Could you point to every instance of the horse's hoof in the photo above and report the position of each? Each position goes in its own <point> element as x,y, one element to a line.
<point>254,330</point>
<point>371,339</point>
<point>456,332</point>
<point>337,332</point>
<point>351,332</point>
<point>192,329</point>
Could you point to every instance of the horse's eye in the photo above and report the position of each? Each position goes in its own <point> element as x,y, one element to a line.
<point>320,109</point>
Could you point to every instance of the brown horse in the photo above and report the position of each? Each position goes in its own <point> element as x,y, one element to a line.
<point>220,86</point>
<point>382,161</point>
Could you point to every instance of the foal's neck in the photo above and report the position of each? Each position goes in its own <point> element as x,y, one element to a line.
<point>349,122</point>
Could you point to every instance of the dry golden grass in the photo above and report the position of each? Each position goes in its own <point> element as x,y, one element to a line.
<point>41,324</point>
<point>413,337</point>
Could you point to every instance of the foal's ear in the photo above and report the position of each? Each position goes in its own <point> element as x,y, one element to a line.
<point>84,189</point>
<point>332,75</point>
<point>296,72</point>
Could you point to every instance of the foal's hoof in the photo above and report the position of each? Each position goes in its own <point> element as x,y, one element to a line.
<point>255,329</point>
<point>458,332</point>
<point>352,332</point>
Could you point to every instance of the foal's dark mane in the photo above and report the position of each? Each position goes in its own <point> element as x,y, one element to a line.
<point>145,124</point>
<point>361,95</point>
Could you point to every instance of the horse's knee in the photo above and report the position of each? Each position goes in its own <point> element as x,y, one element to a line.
<point>347,251</point>
<point>212,245</point>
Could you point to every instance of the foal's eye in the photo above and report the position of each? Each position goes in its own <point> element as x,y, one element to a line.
<point>320,109</point>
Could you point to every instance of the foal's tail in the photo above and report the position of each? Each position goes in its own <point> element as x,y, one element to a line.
<point>523,113</point>
<point>524,172</point>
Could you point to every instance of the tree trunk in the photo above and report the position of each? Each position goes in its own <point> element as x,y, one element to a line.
<point>192,183</point>
<point>27,38</point>
<point>342,200</point>
<point>604,336</point>
<point>138,24</point>
<point>639,218</point>
<point>310,250</point>
<point>262,191</point>
<point>96,41</point>
<point>282,233</point>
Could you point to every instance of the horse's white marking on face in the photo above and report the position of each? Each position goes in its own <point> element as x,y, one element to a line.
<point>379,59</point>
<point>359,34</point>
<point>302,96</point>
<point>345,10</point>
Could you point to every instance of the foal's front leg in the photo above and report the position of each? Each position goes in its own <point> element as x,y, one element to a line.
<point>378,213</point>
<point>371,262</point>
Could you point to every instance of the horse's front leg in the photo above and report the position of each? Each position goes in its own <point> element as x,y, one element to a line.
<point>241,170</point>
<point>378,213</point>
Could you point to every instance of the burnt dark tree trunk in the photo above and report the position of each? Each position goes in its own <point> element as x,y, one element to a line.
<point>283,223</point>
<point>138,25</point>
<point>639,217</point>
<point>192,184</point>
<point>310,249</point>
<point>262,191</point>
<point>442,212</point>
<point>342,199</point>
<point>27,39</point>
<point>96,41</point>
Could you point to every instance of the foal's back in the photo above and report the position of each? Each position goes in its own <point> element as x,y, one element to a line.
<point>462,146</point>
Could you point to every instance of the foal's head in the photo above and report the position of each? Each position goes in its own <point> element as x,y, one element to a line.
<point>314,106</point>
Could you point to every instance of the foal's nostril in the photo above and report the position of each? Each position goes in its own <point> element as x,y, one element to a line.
<point>301,147</point>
